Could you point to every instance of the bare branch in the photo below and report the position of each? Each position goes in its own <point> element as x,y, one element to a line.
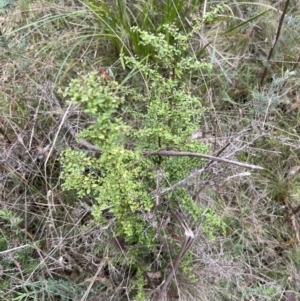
<point>82,142</point>
<point>188,241</point>
<point>276,38</point>
<point>197,155</point>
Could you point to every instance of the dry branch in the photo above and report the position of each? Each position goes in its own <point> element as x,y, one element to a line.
<point>202,156</point>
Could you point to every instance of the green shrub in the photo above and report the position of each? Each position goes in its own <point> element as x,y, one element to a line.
<point>160,116</point>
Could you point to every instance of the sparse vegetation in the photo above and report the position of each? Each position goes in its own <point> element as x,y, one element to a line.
<point>149,150</point>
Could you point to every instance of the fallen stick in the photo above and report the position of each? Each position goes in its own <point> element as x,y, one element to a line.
<point>197,155</point>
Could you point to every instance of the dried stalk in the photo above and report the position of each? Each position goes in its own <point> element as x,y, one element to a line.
<point>188,241</point>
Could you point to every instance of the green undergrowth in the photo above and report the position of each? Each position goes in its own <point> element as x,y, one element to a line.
<point>137,77</point>
<point>122,179</point>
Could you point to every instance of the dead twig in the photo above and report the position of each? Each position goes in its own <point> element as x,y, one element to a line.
<point>188,241</point>
<point>276,38</point>
<point>202,156</point>
<point>93,279</point>
<point>292,218</point>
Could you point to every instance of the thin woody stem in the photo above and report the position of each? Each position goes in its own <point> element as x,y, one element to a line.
<point>188,241</point>
<point>198,155</point>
